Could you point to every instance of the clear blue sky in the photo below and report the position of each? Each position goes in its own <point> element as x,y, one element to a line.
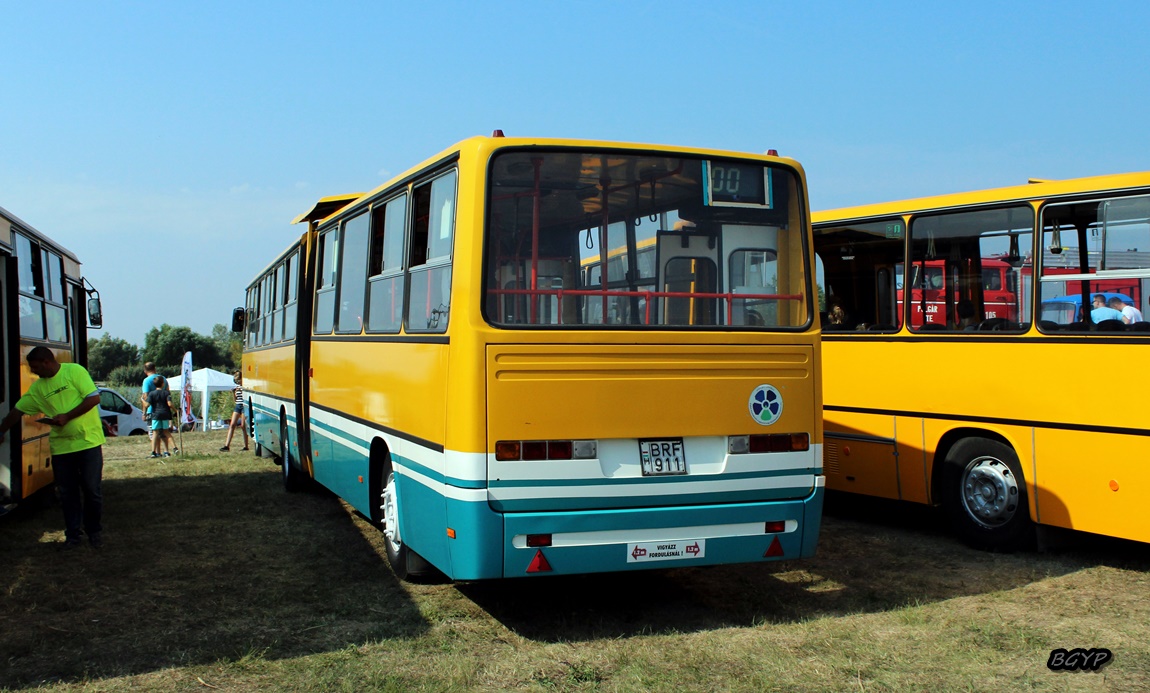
<point>180,139</point>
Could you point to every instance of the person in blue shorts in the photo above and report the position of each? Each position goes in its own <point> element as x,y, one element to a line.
<point>160,403</point>
<point>237,413</point>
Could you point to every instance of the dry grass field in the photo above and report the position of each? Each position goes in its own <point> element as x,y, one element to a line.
<point>214,578</point>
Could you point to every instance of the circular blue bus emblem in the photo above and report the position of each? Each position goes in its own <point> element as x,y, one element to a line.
<point>766,404</point>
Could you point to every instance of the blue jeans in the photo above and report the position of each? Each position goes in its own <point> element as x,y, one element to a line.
<point>78,481</point>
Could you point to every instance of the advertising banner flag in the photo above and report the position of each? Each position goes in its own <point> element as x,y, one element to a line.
<point>186,415</point>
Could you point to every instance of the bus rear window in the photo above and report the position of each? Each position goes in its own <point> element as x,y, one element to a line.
<point>596,239</point>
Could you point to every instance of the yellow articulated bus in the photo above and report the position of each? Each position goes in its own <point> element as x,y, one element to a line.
<point>984,356</point>
<point>440,354</point>
<point>44,301</point>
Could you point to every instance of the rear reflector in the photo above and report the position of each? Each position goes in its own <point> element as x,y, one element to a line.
<point>539,564</point>
<point>773,551</point>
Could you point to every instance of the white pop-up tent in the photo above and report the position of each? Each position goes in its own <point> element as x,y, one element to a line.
<point>204,381</point>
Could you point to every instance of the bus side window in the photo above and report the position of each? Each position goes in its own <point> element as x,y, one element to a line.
<point>385,302</point>
<point>433,228</point>
<point>325,284</point>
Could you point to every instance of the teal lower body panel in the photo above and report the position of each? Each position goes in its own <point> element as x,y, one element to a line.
<point>423,522</point>
<point>488,544</point>
<point>342,469</point>
<point>601,542</point>
<point>265,424</point>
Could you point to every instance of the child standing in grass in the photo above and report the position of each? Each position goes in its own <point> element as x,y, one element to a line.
<point>160,401</point>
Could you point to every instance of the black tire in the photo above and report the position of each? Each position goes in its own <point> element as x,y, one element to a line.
<point>405,563</point>
<point>294,478</point>
<point>984,495</point>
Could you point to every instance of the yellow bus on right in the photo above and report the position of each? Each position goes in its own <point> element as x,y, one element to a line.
<point>982,351</point>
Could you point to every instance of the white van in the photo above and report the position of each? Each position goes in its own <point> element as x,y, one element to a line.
<point>125,418</point>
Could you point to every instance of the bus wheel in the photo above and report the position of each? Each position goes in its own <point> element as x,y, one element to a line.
<point>293,476</point>
<point>985,496</point>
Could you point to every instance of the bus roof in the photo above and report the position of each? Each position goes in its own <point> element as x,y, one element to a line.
<point>481,142</point>
<point>40,238</point>
<point>1040,189</point>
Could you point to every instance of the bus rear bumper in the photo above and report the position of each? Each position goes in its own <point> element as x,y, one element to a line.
<point>592,541</point>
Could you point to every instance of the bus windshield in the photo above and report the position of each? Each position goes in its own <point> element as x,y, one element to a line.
<point>686,242</point>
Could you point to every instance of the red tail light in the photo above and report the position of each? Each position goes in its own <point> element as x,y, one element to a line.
<point>510,450</point>
<point>534,450</point>
<point>559,450</point>
<point>778,442</point>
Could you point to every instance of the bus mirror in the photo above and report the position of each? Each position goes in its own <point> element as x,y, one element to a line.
<point>95,313</point>
<point>238,316</point>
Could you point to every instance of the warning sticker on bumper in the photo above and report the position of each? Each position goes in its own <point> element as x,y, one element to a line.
<point>666,550</point>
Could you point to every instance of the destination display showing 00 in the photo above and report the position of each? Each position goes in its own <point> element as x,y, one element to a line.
<point>738,184</point>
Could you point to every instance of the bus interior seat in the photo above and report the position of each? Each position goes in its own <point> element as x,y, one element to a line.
<point>1139,326</point>
<point>931,326</point>
<point>1048,326</point>
<point>992,324</point>
<point>1110,326</point>
<point>835,327</point>
<point>1077,327</point>
<point>885,328</point>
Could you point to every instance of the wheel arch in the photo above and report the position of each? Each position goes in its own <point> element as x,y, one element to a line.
<point>952,438</point>
<point>379,457</point>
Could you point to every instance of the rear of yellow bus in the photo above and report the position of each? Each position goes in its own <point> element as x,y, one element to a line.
<point>643,409</point>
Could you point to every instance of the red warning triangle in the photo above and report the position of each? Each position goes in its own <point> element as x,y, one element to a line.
<point>539,564</point>
<point>774,550</point>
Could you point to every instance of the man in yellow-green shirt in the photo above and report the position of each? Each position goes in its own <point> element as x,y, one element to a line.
<point>66,398</point>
